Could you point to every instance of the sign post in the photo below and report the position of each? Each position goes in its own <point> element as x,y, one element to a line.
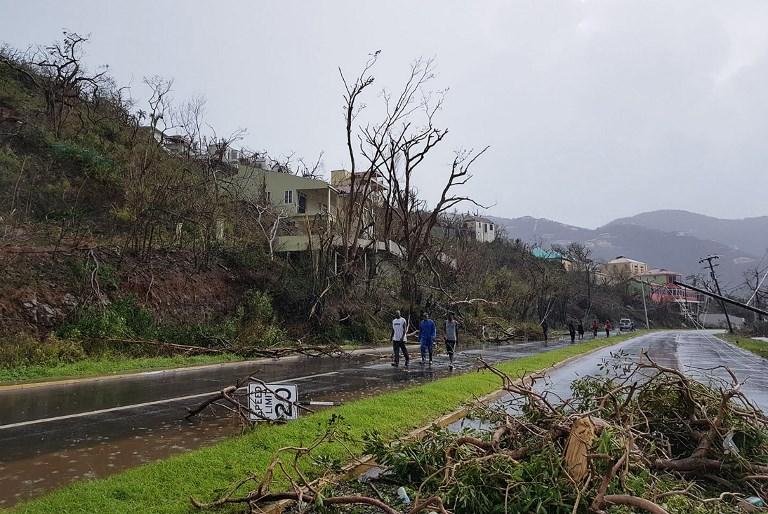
<point>269,402</point>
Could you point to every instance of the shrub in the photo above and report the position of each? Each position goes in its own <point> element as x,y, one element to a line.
<point>84,158</point>
<point>24,350</point>
<point>257,305</point>
<point>246,257</point>
<point>81,270</point>
<point>758,328</point>
<point>362,331</point>
<point>256,323</point>
<point>123,319</point>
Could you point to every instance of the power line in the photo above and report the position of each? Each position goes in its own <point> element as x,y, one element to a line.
<point>757,289</point>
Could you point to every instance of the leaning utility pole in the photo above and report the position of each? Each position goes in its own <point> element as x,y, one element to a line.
<point>721,298</point>
<point>645,306</point>
<point>712,274</point>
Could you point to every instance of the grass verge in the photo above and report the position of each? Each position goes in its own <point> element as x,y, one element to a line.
<point>166,486</point>
<point>105,366</point>
<point>753,345</point>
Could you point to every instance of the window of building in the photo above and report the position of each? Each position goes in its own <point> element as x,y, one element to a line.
<point>269,196</point>
<point>288,197</point>
<point>485,227</point>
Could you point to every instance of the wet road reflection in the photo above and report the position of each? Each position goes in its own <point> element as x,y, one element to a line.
<point>51,436</point>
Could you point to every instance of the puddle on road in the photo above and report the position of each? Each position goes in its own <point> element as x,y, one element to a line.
<point>30,477</point>
<point>27,478</point>
<point>35,475</point>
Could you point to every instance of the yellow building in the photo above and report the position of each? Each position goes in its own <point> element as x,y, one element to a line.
<point>623,268</point>
<point>293,195</point>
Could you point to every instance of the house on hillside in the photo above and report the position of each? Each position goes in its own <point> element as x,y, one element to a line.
<point>623,268</point>
<point>552,256</point>
<point>481,229</point>
<point>178,144</point>
<point>369,188</point>
<point>303,201</point>
<point>365,182</point>
<point>293,195</point>
<point>226,154</point>
<point>659,285</point>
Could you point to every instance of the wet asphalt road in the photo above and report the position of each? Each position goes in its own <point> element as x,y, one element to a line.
<point>695,353</point>
<point>55,434</point>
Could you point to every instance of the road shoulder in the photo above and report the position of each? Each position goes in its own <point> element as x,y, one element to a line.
<point>166,486</point>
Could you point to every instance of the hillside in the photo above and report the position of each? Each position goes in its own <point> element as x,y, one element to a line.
<point>123,232</point>
<point>675,250</point>
<point>749,234</point>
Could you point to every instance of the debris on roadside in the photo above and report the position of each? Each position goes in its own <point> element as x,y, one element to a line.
<point>640,438</point>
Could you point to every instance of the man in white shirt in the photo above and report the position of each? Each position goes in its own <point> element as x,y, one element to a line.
<point>451,336</point>
<point>399,330</point>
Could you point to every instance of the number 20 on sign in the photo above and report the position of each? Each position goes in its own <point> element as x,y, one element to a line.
<point>273,402</point>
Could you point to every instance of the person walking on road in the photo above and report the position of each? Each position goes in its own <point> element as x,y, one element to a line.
<point>572,331</point>
<point>427,334</point>
<point>545,329</point>
<point>580,330</point>
<point>399,331</point>
<point>595,328</point>
<point>608,328</point>
<point>451,337</point>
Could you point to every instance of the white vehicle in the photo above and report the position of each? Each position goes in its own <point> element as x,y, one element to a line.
<point>626,325</point>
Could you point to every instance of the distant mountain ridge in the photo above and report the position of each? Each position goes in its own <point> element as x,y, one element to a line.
<point>747,234</point>
<point>670,239</point>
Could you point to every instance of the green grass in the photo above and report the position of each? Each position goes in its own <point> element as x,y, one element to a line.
<point>166,486</point>
<point>110,365</point>
<point>753,345</point>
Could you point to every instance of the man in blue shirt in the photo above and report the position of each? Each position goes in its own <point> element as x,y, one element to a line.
<point>427,334</point>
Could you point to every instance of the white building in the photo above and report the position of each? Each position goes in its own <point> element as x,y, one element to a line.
<point>483,229</point>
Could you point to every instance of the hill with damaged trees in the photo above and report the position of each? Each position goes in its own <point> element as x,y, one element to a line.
<point>120,234</point>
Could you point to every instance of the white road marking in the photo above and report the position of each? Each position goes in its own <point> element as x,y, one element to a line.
<point>103,411</point>
<point>138,405</point>
<point>312,376</point>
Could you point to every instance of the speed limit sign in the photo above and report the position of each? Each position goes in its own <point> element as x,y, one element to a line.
<point>272,401</point>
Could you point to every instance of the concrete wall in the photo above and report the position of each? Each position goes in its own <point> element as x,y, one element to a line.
<point>718,321</point>
<point>484,231</point>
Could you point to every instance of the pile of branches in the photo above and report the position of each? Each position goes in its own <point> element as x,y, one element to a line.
<point>499,330</point>
<point>640,438</point>
<point>220,346</point>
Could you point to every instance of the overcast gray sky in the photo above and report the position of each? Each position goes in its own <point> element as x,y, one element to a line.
<point>593,110</point>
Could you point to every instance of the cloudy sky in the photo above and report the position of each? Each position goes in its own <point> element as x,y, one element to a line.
<point>592,110</point>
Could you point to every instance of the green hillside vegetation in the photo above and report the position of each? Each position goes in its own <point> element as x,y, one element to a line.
<point>111,241</point>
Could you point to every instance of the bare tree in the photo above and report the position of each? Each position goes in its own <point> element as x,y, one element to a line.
<point>585,267</point>
<point>58,72</point>
<point>268,218</point>
<point>312,169</point>
<point>393,149</point>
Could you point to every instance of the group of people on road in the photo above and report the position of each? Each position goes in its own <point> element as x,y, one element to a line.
<point>427,338</point>
<point>578,328</point>
<point>428,335</point>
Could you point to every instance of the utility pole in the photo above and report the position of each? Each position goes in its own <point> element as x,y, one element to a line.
<point>645,307</point>
<point>712,274</point>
